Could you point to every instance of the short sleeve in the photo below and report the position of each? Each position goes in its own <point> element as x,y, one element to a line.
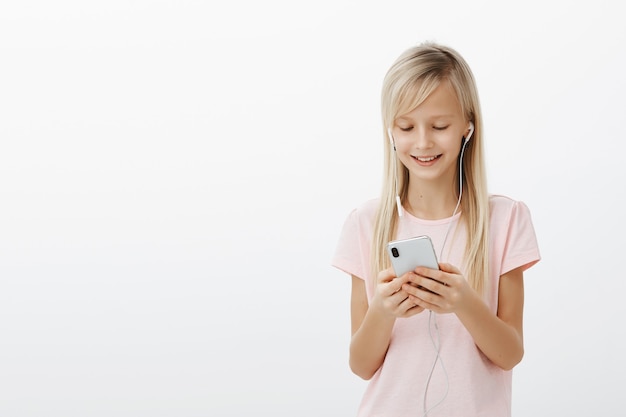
<point>520,248</point>
<point>351,252</point>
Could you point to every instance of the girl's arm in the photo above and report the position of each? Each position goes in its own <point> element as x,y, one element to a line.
<point>373,322</point>
<point>498,336</point>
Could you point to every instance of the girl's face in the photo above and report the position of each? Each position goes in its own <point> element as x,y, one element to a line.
<point>428,139</point>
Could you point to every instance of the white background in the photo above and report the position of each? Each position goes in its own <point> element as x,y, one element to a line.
<point>174,176</point>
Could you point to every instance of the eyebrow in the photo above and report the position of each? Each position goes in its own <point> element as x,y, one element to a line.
<point>439,116</point>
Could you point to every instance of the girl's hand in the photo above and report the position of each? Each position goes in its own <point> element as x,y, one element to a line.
<point>442,291</point>
<point>391,297</point>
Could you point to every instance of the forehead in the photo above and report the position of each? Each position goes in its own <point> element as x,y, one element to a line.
<point>441,102</point>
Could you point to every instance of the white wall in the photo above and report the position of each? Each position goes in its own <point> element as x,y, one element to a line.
<point>174,176</point>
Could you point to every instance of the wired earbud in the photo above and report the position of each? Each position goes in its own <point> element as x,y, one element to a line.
<point>469,135</point>
<point>395,172</point>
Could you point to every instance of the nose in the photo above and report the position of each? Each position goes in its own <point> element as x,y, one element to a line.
<point>421,139</point>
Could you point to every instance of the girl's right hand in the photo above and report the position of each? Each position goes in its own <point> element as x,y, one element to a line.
<point>391,298</point>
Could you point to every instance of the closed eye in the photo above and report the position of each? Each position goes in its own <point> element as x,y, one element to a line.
<point>406,129</point>
<point>440,127</point>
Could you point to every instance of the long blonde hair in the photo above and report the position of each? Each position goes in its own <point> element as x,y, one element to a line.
<point>409,81</point>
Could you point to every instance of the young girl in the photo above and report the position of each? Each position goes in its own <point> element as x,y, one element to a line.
<point>436,342</point>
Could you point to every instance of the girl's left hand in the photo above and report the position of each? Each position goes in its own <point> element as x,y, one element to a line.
<point>442,291</point>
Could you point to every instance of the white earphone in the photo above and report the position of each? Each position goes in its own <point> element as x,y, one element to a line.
<point>471,132</point>
<point>395,172</point>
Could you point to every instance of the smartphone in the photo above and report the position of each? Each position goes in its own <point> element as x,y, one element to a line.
<point>408,254</point>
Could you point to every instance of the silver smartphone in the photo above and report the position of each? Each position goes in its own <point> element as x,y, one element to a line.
<point>408,254</point>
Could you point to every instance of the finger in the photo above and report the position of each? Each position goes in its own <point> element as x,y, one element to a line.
<point>427,272</point>
<point>424,280</point>
<point>408,304</point>
<point>413,311</point>
<point>415,305</point>
<point>424,287</point>
<point>430,292</point>
<point>386,275</point>
<point>436,275</point>
<point>396,293</point>
<point>449,268</point>
<point>397,282</point>
<point>427,301</point>
<point>413,285</point>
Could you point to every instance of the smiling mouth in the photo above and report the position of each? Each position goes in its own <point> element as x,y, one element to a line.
<point>426,158</point>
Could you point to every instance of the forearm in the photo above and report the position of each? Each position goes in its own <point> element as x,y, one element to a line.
<point>500,341</point>
<point>369,343</point>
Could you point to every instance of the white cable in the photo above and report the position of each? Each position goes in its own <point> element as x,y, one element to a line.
<point>458,201</point>
<point>436,345</point>
<point>395,173</point>
<point>431,315</point>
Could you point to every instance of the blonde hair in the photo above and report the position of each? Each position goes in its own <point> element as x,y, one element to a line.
<point>409,81</point>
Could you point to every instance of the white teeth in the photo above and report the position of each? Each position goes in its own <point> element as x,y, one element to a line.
<point>426,159</point>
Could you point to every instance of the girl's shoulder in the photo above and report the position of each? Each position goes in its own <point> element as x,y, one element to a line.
<point>368,208</point>
<point>499,202</point>
<point>506,210</point>
<point>364,214</point>
<point>512,234</point>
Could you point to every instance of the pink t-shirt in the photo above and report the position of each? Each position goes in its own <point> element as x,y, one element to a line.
<point>464,382</point>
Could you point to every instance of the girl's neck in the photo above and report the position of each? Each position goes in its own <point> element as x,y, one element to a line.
<point>431,202</point>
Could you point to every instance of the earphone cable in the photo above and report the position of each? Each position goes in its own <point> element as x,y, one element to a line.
<point>432,315</point>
